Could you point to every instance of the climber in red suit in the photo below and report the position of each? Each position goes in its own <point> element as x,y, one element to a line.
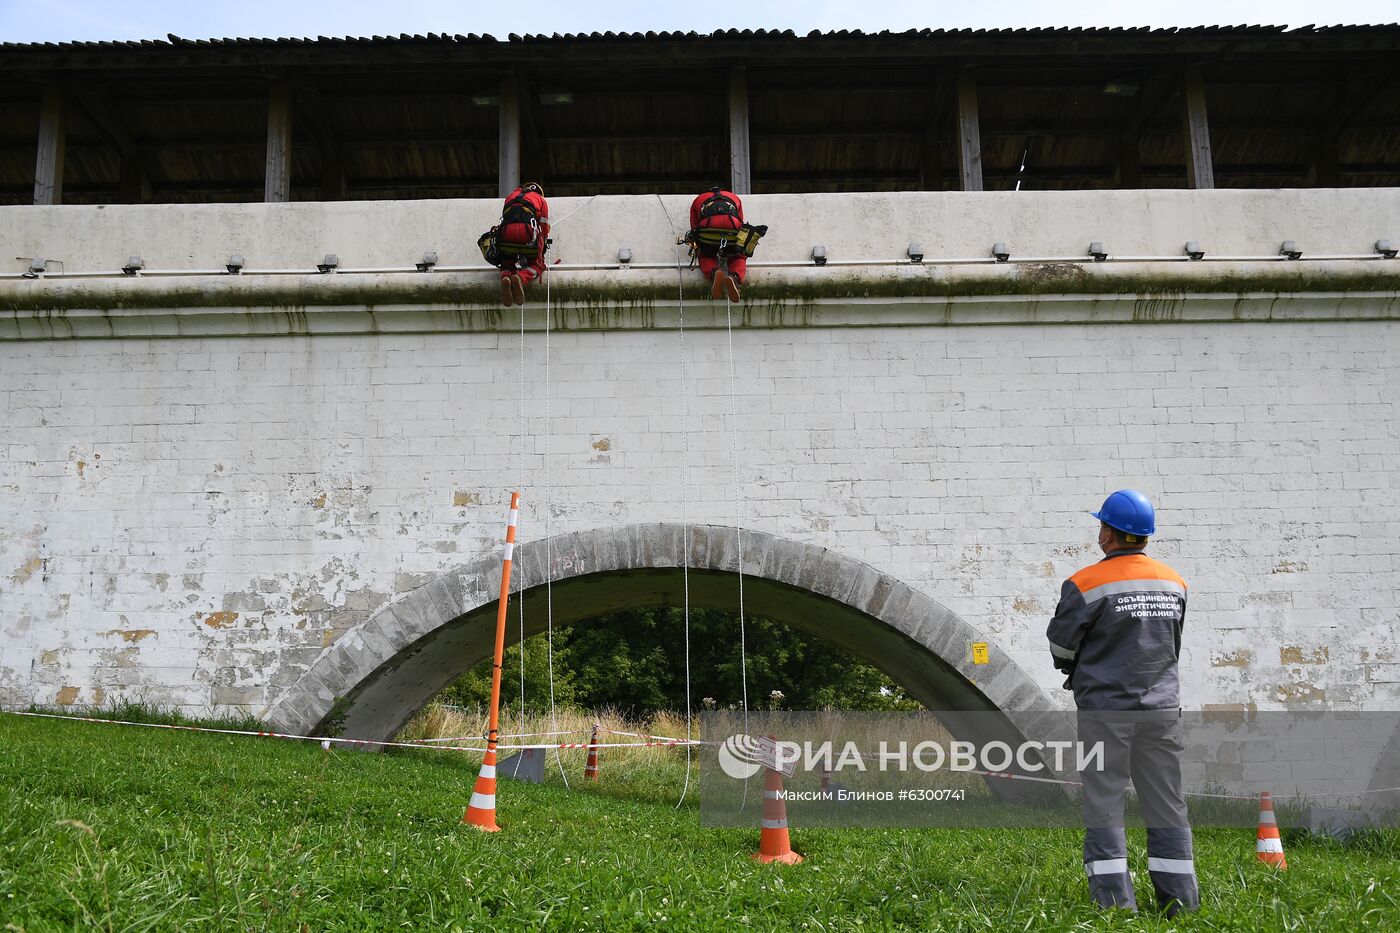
<point>715,211</point>
<point>521,240</point>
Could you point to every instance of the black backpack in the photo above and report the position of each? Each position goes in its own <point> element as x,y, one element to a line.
<point>501,252</point>
<point>719,206</point>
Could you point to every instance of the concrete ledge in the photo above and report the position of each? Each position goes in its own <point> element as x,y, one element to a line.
<point>1060,292</point>
<point>590,230</point>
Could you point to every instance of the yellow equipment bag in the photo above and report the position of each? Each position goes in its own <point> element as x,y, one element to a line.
<point>745,239</point>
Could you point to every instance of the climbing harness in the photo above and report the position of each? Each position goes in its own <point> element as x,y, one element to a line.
<point>742,239</point>
<point>516,239</point>
<point>726,234</point>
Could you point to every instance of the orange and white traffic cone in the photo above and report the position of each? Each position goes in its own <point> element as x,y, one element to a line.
<point>481,811</point>
<point>590,768</point>
<point>773,842</point>
<point>1268,847</point>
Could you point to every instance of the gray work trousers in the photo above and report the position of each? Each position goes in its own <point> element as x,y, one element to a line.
<point>1145,748</point>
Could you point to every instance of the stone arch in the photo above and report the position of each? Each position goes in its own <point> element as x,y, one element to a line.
<point>378,674</point>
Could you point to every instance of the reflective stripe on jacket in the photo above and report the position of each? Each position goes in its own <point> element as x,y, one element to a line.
<point>1117,633</point>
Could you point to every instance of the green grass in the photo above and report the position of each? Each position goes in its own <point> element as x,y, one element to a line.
<point>124,828</point>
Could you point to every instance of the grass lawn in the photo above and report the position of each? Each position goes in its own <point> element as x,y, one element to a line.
<point>122,828</point>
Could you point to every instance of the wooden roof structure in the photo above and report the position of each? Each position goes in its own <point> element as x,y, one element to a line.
<point>763,111</point>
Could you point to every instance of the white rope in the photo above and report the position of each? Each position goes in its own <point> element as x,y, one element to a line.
<point>685,499</point>
<point>548,533</point>
<point>520,466</point>
<point>738,508</point>
<point>555,223</point>
<point>544,525</point>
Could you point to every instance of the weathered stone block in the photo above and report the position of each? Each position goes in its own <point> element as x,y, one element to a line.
<point>237,696</point>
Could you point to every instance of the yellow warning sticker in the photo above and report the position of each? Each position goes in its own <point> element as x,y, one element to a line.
<point>979,652</point>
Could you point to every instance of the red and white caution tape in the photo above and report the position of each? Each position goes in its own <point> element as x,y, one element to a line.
<point>655,742</point>
<point>517,735</point>
<point>658,738</point>
<point>327,741</point>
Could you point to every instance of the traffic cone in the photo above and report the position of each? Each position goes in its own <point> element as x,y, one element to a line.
<point>1268,847</point>
<point>773,843</point>
<point>481,811</point>
<point>590,768</point>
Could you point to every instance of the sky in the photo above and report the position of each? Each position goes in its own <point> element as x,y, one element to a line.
<point>65,20</point>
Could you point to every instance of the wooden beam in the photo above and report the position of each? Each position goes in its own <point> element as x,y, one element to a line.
<point>508,138</point>
<point>311,112</point>
<point>48,167</point>
<point>969,134</point>
<point>740,164</point>
<point>1199,171</point>
<point>277,176</point>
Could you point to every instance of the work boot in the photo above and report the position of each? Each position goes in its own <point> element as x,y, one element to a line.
<point>731,288</point>
<point>517,288</point>
<point>717,284</point>
<point>507,293</point>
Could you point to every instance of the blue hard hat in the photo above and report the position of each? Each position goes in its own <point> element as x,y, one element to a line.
<point>1129,511</point>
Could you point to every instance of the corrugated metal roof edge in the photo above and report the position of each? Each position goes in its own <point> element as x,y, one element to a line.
<point>172,41</point>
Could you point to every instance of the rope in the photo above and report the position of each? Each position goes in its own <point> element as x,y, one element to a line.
<point>738,503</point>
<point>555,223</point>
<point>520,467</point>
<point>738,509</point>
<point>654,742</point>
<point>520,591</point>
<point>685,500</point>
<point>738,527</point>
<point>548,509</point>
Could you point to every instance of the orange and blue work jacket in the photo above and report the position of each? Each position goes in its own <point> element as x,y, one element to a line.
<point>1117,633</point>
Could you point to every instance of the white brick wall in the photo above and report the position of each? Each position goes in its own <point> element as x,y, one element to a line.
<point>190,521</point>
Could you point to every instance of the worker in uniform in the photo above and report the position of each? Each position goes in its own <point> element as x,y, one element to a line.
<point>1116,634</point>
<point>517,245</point>
<point>721,241</point>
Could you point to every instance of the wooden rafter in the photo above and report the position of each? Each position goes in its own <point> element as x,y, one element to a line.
<point>53,135</point>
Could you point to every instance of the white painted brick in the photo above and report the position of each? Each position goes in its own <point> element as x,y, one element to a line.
<point>912,447</point>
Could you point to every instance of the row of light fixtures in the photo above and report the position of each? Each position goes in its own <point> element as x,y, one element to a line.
<point>1387,249</point>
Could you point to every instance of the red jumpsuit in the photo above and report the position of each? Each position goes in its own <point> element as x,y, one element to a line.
<point>534,269</point>
<point>738,263</point>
